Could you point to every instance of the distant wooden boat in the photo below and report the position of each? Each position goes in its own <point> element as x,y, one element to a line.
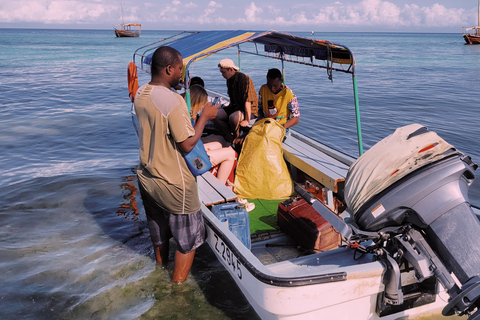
<point>472,35</point>
<point>128,30</point>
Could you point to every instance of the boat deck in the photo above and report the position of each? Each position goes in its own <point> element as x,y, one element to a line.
<point>307,160</point>
<point>212,191</point>
<point>277,248</point>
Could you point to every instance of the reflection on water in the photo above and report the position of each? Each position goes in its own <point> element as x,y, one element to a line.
<point>129,208</point>
<point>78,248</point>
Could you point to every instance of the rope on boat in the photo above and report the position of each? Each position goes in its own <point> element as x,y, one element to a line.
<point>329,63</point>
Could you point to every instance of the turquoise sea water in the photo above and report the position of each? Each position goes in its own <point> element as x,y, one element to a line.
<point>73,237</point>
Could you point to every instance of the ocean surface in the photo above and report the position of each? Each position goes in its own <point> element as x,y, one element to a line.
<point>74,243</point>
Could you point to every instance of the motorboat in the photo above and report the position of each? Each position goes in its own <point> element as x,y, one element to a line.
<point>408,232</point>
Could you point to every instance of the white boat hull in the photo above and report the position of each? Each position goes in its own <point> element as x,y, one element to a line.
<point>328,285</point>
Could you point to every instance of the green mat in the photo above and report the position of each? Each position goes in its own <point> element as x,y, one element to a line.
<point>264,217</point>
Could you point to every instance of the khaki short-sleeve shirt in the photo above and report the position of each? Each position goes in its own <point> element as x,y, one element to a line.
<point>164,121</point>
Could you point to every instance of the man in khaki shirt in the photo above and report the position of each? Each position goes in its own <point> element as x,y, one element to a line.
<point>168,188</point>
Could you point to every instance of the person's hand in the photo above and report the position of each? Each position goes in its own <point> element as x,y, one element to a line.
<point>210,111</point>
<point>244,123</point>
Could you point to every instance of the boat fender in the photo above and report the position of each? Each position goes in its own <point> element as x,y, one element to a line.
<point>132,80</point>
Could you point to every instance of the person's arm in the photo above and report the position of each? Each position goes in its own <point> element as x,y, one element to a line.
<point>261,114</point>
<point>291,122</point>
<point>294,113</point>
<point>248,114</point>
<point>250,95</point>
<point>209,113</point>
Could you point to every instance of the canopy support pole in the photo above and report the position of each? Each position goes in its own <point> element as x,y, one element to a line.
<point>187,100</point>
<point>357,115</point>
<point>283,70</point>
<point>239,61</point>
<point>187,87</point>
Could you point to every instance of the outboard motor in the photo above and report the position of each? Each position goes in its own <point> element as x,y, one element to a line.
<point>411,190</point>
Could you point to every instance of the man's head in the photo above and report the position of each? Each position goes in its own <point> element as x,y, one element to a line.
<point>227,68</point>
<point>197,80</point>
<point>274,80</point>
<point>167,65</point>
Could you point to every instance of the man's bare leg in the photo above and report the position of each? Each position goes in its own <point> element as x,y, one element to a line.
<point>183,264</point>
<point>221,123</point>
<point>161,253</point>
<point>234,120</point>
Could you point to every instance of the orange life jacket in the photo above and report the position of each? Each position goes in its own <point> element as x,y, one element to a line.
<point>132,80</point>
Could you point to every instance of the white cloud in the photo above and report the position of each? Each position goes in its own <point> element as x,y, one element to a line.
<point>379,12</point>
<point>214,4</point>
<point>191,5</point>
<point>273,10</point>
<point>59,11</point>
<point>251,12</point>
<point>169,12</point>
<point>218,14</point>
<point>300,18</point>
<point>376,13</point>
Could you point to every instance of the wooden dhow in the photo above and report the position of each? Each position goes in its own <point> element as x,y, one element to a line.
<point>472,35</point>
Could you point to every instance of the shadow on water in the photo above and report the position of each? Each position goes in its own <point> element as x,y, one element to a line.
<point>208,293</point>
<point>78,249</point>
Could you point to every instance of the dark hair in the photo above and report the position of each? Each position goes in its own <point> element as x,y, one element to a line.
<point>163,57</point>
<point>197,80</point>
<point>274,74</point>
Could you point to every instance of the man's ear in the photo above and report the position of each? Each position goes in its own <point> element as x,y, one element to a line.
<point>168,70</point>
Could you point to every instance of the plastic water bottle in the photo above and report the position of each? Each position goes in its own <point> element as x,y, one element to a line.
<point>271,108</point>
<point>273,111</point>
<point>237,218</point>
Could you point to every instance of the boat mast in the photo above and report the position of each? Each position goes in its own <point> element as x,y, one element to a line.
<point>121,6</point>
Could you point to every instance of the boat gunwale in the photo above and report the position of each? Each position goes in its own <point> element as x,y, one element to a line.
<point>277,281</point>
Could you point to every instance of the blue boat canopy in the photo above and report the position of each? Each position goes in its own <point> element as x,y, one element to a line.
<point>282,46</point>
<point>270,44</point>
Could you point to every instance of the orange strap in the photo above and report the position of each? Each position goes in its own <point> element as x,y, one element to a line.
<point>354,245</point>
<point>132,80</point>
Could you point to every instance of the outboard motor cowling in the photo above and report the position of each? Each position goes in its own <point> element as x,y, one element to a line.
<point>412,189</point>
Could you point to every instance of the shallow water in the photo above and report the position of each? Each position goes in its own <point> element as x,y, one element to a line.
<point>73,237</point>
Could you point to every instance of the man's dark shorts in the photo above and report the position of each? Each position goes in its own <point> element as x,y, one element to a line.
<point>187,229</point>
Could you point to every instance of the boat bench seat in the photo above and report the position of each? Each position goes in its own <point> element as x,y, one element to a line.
<point>324,164</point>
<point>211,191</point>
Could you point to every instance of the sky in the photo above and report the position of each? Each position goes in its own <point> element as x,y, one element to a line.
<point>283,15</point>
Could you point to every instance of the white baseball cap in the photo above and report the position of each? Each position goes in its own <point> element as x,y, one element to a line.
<point>227,63</point>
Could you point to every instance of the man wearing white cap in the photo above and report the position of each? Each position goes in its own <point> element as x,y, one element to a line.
<point>243,101</point>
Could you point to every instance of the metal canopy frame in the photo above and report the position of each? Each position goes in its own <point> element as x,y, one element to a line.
<point>277,45</point>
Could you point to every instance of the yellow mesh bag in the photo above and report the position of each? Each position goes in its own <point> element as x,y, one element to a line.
<point>261,170</point>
